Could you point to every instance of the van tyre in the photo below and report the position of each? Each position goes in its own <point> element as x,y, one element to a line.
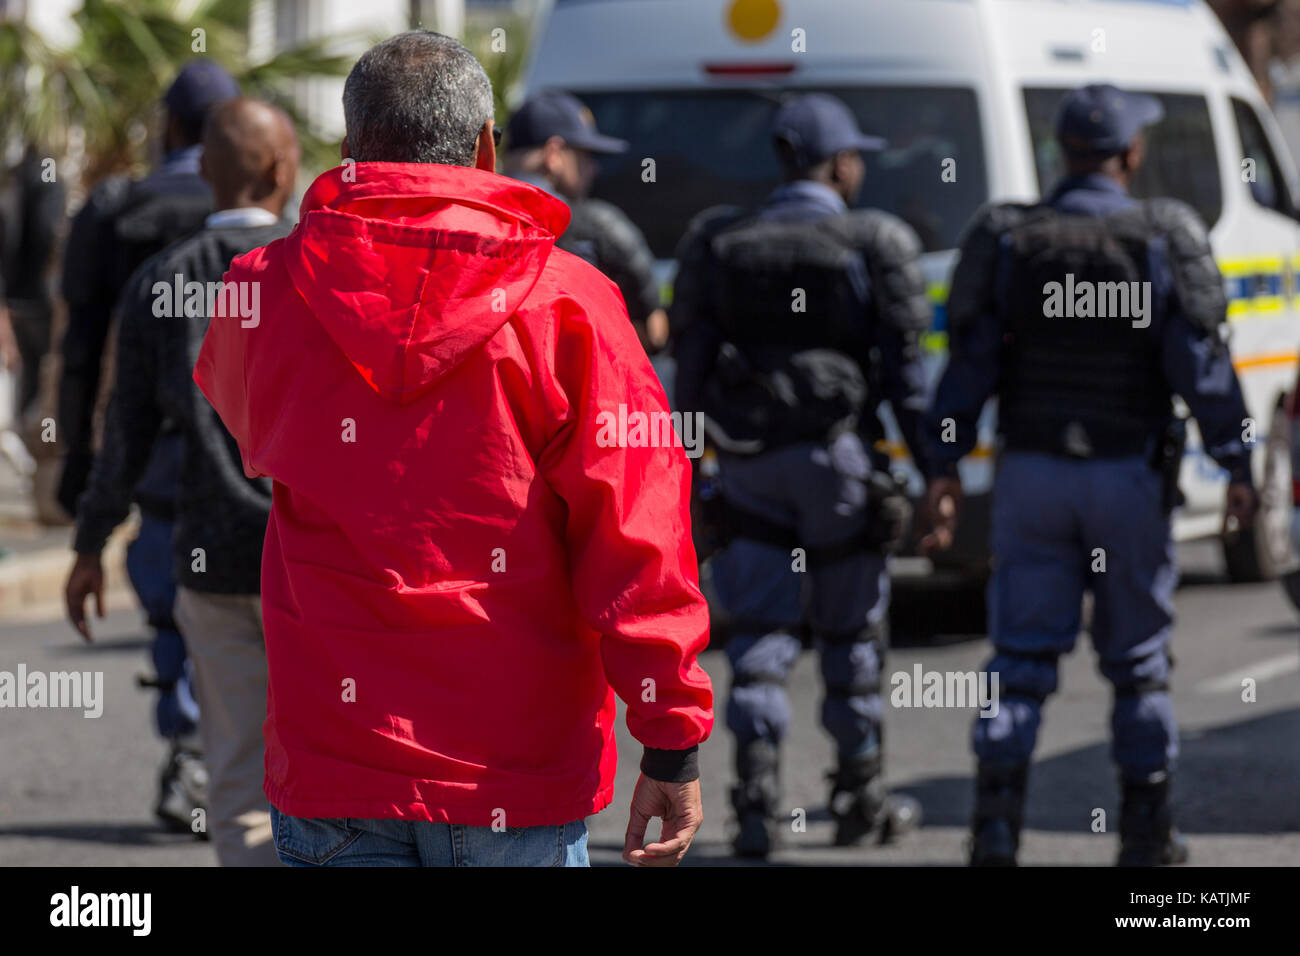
<point>1291,585</point>
<point>1263,551</point>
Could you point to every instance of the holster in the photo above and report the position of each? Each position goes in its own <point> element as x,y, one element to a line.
<point>888,518</point>
<point>709,529</point>
<point>1168,461</point>
<point>889,512</point>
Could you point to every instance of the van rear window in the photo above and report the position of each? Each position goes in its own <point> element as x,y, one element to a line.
<point>1181,161</point>
<point>713,147</point>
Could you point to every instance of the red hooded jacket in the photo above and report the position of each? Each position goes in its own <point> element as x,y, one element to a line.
<point>459,573</point>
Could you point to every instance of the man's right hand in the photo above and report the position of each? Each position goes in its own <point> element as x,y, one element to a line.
<point>10,356</point>
<point>656,329</point>
<point>942,506</point>
<point>682,812</point>
<point>87,578</point>
<point>1240,506</point>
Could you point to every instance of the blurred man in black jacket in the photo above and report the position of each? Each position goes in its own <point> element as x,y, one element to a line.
<point>123,223</point>
<point>29,220</point>
<point>251,159</point>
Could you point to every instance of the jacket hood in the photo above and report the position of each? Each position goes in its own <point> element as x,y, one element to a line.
<point>412,266</point>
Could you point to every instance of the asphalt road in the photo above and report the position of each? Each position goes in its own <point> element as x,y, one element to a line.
<point>75,791</point>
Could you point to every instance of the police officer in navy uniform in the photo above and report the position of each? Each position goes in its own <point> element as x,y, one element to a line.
<point>791,324</point>
<point>1085,314</point>
<point>552,143</point>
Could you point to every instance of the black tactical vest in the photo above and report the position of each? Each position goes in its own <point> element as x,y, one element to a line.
<point>1082,320</point>
<point>149,221</point>
<point>792,284</point>
<point>791,302</point>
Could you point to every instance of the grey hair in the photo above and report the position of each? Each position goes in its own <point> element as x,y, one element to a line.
<point>417,97</point>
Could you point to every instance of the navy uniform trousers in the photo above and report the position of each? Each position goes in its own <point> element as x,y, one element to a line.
<point>820,492</point>
<point>1057,522</point>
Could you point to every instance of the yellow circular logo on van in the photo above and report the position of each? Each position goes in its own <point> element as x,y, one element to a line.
<point>752,20</point>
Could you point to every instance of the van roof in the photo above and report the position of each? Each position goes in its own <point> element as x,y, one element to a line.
<point>1168,3</point>
<point>684,44</point>
<point>1158,3</point>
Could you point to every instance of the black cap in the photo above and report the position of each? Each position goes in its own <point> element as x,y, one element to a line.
<point>817,126</point>
<point>558,114</point>
<point>1101,118</point>
<point>199,85</point>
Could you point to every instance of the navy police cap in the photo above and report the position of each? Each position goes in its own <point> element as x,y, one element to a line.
<point>817,126</point>
<point>558,114</point>
<point>200,84</point>
<point>1101,118</point>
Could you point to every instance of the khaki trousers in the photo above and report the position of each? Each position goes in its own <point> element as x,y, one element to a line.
<point>223,633</point>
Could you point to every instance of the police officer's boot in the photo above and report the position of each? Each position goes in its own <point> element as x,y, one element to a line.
<point>999,812</point>
<point>755,798</point>
<point>1146,829</point>
<point>862,807</point>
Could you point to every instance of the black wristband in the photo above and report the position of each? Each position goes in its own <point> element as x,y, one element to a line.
<point>1238,469</point>
<point>671,766</point>
<point>941,468</point>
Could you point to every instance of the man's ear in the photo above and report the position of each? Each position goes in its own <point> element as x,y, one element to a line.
<point>173,133</point>
<point>553,156</point>
<point>1134,155</point>
<point>842,167</point>
<point>280,172</point>
<point>485,149</point>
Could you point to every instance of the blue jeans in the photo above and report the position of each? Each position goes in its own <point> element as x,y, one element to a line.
<point>352,841</point>
<point>150,566</point>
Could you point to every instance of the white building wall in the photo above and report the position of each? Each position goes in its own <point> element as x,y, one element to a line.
<point>52,19</point>
<point>321,98</point>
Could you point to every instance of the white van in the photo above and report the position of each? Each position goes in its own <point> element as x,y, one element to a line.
<point>971,86</point>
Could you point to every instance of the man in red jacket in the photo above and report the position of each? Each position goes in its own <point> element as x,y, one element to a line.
<point>464,561</point>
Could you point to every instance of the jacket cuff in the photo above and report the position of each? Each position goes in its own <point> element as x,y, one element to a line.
<point>91,536</point>
<point>1238,468</point>
<point>941,468</point>
<point>671,766</point>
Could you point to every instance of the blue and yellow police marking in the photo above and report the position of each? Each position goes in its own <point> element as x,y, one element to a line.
<point>1257,287</point>
<point>934,342</point>
<point>937,293</point>
<point>1261,287</point>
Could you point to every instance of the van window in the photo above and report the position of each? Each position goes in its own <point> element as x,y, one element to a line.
<point>1181,161</point>
<point>715,147</point>
<point>1269,185</point>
